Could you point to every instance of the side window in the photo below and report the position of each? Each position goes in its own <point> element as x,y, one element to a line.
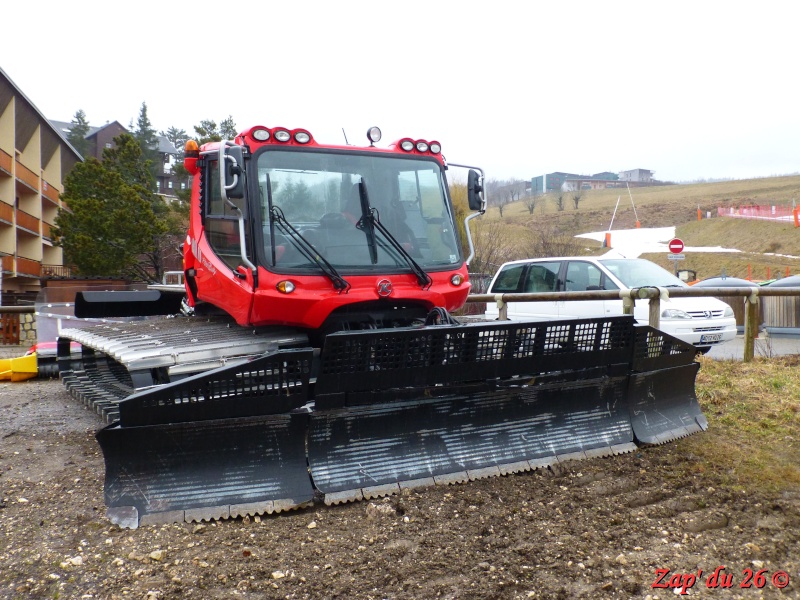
<point>542,277</point>
<point>221,221</point>
<point>582,276</point>
<point>215,205</point>
<point>508,280</point>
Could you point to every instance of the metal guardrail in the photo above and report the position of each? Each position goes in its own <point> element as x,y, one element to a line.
<point>653,295</point>
<point>18,310</point>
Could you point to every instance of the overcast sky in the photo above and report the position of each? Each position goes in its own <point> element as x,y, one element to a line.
<point>689,90</point>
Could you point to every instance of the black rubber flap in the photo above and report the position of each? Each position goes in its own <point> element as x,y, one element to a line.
<point>664,406</point>
<point>126,303</point>
<point>386,443</point>
<point>208,464</point>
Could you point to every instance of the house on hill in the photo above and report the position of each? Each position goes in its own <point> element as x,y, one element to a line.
<point>100,138</point>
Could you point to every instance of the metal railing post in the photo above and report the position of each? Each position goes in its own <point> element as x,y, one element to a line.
<point>654,317</point>
<point>750,326</point>
<point>502,308</point>
<point>627,301</point>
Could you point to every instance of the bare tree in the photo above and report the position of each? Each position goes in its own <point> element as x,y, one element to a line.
<point>501,201</point>
<point>530,203</point>
<point>547,240</point>
<point>491,250</point>
<point>577,196</point>
<point>558,198</point>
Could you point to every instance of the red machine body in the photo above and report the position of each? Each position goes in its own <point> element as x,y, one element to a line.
<point>272,291</point>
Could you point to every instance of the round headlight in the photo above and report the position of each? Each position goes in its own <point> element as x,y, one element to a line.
<point>407,145</point>
<point>302,137</point>
<point>262,135</point>
<point>282,135</point>
<point>457,279</point>
<point>286,287</point>
<point>374,134</point>
<point>422,145</point>
<point>436,147</point>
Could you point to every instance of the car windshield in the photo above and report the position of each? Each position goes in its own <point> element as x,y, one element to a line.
<point>634,273</point>
<point>323,195</point>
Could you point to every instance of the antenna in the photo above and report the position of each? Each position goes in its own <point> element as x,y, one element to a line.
<point>345,137</point>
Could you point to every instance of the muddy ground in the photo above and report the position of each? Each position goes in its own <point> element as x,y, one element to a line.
<point>597,529</point>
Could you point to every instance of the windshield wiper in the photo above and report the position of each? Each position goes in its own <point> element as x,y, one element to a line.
<point>369,222</point>
<point>305,247</point>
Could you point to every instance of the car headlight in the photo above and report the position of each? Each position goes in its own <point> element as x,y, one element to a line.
<point>674,313</point>
<point>728,311</point>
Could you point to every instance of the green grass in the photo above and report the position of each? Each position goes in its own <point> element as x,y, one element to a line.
<point>753,411</point>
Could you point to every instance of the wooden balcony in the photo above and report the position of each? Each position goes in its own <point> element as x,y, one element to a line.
<point>27,177</point>
<point>49,193</point>
<point>56,271</point>
<point>6,213</point>
<point>28,268</point>
<point>27,222</point>
<point>5,163</point>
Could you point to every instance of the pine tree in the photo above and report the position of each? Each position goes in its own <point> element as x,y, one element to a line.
<point>144,133</point>
<point>78,132</point>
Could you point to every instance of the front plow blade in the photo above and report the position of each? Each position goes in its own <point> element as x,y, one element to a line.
<point>204,470</point>
<point>219,444</point>
<point>444,404</point>
<point>375,450</point>
<point>662,399</point>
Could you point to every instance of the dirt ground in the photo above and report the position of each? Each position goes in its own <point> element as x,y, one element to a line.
<point>604,528</point>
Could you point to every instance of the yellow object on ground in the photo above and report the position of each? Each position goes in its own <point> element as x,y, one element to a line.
<point>18,369</point>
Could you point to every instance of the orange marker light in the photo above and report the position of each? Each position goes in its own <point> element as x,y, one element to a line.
<point>191,153</point>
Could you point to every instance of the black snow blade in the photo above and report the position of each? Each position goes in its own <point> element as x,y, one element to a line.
<point>382,410</point>
<point>374,450</point>
<point>205,470</point>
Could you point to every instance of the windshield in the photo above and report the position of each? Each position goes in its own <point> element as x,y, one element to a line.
<point>634,273</point>
<point>318,193</point>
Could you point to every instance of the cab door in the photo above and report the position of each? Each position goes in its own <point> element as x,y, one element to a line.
<point>222,278</point>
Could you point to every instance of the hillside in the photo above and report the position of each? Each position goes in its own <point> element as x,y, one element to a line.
<point>763,244</point>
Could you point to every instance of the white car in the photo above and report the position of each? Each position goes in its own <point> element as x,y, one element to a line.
<point>702,322</point>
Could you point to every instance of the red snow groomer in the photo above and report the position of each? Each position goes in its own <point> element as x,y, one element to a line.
<point>316,355</point>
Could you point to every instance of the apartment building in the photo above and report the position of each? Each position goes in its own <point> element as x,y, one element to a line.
<point>34,160</point>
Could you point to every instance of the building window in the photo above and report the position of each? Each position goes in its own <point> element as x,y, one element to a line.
<point>169,185</point>
<point>109,145</point>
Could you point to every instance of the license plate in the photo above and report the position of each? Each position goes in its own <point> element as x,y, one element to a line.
<point>710,337</point>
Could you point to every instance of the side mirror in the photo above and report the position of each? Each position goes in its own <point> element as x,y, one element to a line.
<point>474,190</point>
<point>232,166</point>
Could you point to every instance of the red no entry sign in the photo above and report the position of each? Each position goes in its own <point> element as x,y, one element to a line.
<point>676,245</point>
